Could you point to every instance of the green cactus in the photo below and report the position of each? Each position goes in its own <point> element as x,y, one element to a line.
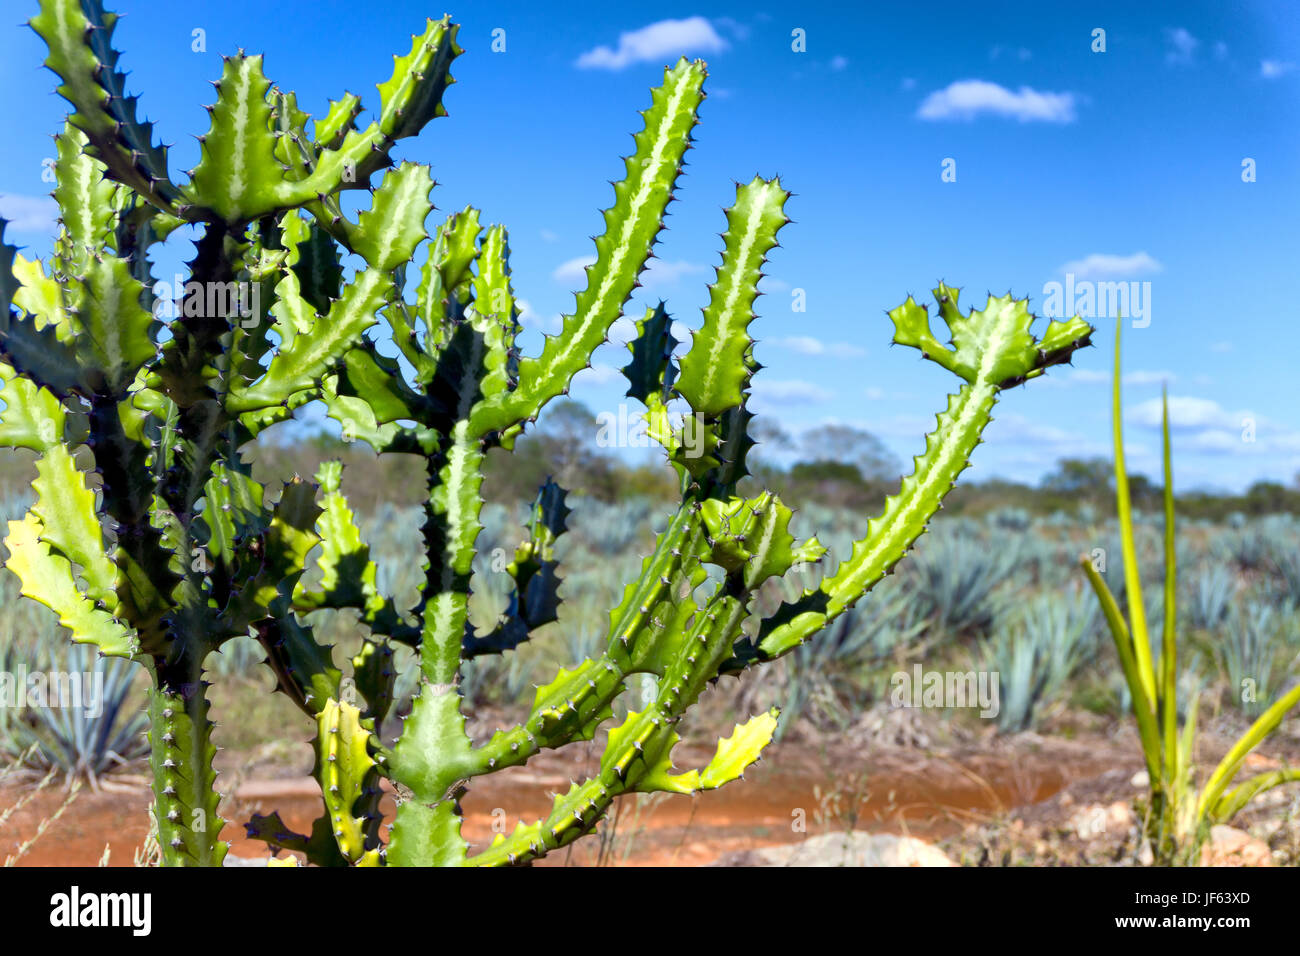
<point>177,550</point>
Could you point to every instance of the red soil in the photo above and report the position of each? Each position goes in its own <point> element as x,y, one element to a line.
<point>927,796</point>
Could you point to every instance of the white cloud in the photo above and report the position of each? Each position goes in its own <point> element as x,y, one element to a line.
<point>1203,425</point>
<point>789,392</point>
<point>875,394</point>
<point>1102,265</point>
<point>1062,378</point>
<point>662,272</point>
<point>573,270</point>
<point>665,38</point>
<point>1272,69</point>
<point>966,99</point>
<point>548,236</point>
<point>530,318</point>
<point>839,63</point>
<point>1186,412</point>
<point>1148,378</point>
<point>1011,428</point>
<point>807,345</point>
<point>1221,347</point>
<point>622,331</point>
<point>1183,46</point>
<point>909,83</point>
<point>30,213</point>
<point>733,26</point>
<point>1081,376</point>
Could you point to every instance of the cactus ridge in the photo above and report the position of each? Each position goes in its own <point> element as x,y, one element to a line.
<point>168,548</point>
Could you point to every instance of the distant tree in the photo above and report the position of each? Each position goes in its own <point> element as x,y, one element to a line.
<point>772,440</point>
<point>1080,477</point>
<point>562,445</point>
<point>824,470</point>
<point>840,466</point>
<point>853,446</point>
<point>1268,497</point>
<point>1145,493</point>
<point>567,430</point>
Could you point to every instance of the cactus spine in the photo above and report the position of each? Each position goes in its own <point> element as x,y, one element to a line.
<point>178,550</point>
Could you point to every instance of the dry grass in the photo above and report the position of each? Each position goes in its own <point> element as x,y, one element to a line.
<point>13,769</point>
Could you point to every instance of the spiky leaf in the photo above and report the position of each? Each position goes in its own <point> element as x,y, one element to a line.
<point>79,34</point>
<point>993,345</point>
<point>32,418</point>
<point>348,781</point>
<point>47,577</point>
<point>651,372</point>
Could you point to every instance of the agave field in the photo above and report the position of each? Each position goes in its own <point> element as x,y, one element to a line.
<point>207,663</point>
<point>975,599</point>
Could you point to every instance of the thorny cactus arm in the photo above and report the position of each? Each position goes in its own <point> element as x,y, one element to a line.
<point>993,349</point>
<point>632,227</point>
<point>80,38</point>
<point>434,752</point>
<point>165,421</point>
<point>659,629</point>
<point>240,178</point>
<point>95,317</point>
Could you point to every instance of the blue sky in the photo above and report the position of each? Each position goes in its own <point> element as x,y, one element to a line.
<point>1123,165</point>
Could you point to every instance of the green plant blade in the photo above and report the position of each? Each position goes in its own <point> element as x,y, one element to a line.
<point>1124,505</point>
<point>1143,706</point>
<point>47,577</point>
<point>1169,647</point>
<point>1235,800</point>
<point>1227,768</point>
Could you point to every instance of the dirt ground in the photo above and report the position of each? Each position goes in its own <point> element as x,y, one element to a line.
<point>1069,797</point>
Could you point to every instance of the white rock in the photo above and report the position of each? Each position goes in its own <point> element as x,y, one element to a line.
<point>1229,846</point>
<point>845,849</point>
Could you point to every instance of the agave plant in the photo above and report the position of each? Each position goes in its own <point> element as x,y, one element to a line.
<point>1180,814</point>
<point>1211,597</point>
<point>1037,648</point>
<point>1256,639</point>
<point>76,742</point>
<point>828,675</point>
<point>954,577</point>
